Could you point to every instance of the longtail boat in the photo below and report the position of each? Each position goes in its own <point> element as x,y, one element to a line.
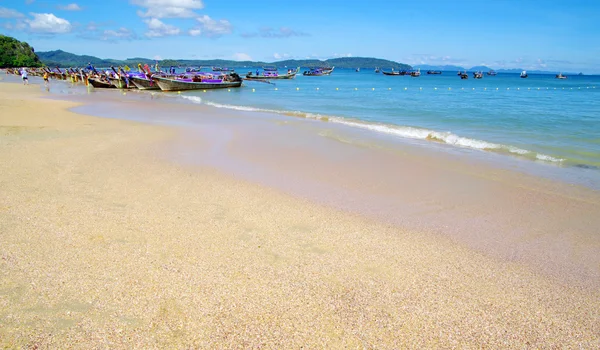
<point>99,82</point>
<point>122,80</point>
<point>143,81</point>
<point>393,72</point>
<point>317,72</point>
<point>198,82</point>
<point>120,83</point>
<point>272,74</point>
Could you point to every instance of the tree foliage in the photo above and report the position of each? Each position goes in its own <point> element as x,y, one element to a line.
<point>14,53</point>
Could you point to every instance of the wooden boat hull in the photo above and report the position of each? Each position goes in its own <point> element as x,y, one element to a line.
<point>292,75</point>
<point>166,84</point>
<point>262,77</point>
<point>392,73</point>
<point>120,83</point>
<point>317,73</point>
<point>100,84</point>
<point>144,84</point>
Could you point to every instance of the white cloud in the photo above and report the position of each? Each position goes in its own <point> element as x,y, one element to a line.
<point>48,23</point>
<point>268,32</point>
<point>239,56</point>
<point>121,33</point>
<point>214,28</point>
<point>168,8</point>
<point>9,13</point>
<point>194,32</point>
<point>92,26</point>
<point>279,56</point>
<point>69,7</point>
<point>540,63</point>
<point>157,28</point>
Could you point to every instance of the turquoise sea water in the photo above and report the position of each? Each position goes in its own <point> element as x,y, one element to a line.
<point>539,118</point>
<point>542,119</point>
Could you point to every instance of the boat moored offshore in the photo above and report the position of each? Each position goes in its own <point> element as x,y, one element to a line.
<point>317,72</point>
<point>270,73</point>
<point>561,76</point>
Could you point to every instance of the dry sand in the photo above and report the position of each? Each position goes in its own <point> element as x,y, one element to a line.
<point>105,245</point>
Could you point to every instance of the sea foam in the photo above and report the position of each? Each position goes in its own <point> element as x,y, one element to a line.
<point>396,130</point>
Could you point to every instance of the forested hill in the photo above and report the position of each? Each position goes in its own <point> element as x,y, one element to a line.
<point>65,59</point>
<point>14,53</point>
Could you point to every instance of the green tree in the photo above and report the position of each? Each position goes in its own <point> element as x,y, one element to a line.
<point>14,53</point>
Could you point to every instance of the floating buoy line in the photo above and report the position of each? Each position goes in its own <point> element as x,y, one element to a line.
<point>436,89</point>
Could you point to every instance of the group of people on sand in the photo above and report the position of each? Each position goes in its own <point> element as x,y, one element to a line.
<point>26,79</point>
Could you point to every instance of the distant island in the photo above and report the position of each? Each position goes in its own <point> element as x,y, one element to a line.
<point>65,59</point>
<point>451,68</point>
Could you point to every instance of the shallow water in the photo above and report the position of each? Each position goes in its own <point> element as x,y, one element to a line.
<point>539,119</point>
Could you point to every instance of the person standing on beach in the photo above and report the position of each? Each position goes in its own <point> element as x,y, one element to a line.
<point>46,81</point>
<point>24,76</point>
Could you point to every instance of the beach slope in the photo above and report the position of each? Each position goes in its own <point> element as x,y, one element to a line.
<point>104,244</point>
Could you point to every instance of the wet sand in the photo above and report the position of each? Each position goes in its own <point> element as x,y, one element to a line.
<point>106,243</point>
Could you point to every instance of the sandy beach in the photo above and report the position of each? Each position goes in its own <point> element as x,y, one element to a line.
<point>105,243</point>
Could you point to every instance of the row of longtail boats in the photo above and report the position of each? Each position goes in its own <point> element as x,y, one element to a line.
<point>143,78</point>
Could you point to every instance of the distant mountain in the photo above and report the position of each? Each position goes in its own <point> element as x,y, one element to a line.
<point>65,59</point>
<point>486,69</point>
<point>14,53</point>
<point>366,62</point>
<point>519,70</point>
<point>444,68</point>
<point>480,68</point>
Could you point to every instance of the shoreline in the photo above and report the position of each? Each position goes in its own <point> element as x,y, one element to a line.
<point>531,160</point>
<point>526,218</point>
<point>111,243</point>
<point>441,190</point>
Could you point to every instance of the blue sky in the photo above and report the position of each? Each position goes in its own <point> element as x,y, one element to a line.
<point>529,34</point>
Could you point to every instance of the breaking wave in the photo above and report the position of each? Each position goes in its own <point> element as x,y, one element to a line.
<point>400,131</point>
